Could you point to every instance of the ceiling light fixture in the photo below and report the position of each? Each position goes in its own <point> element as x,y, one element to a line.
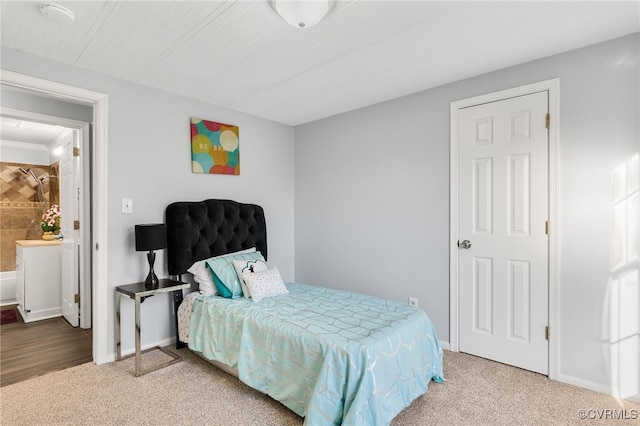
<point>302,13</point>
<point>57,13</point>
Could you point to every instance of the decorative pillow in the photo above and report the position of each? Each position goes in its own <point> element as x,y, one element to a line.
<point>248,266</point>
<point>224,273</point>
<point>202,276</point>
<point>265,284</point>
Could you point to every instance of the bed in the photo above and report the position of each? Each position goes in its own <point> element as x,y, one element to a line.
<point>330,356</point>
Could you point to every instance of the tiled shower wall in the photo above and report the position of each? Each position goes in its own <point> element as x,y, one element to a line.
<point>20,209</point>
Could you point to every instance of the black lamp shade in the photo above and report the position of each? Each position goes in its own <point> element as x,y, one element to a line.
<point>151,236</point>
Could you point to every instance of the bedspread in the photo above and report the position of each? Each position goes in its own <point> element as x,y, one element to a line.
<point>334,357</point>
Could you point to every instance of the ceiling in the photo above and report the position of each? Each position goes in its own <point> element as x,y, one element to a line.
<point>27,132</point>
<point>241,55</point>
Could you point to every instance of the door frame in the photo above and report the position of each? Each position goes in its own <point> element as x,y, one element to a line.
<point>553,87</point>
<point>99,195</point>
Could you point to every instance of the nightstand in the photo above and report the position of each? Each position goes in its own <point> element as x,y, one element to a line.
<point>139,293</point>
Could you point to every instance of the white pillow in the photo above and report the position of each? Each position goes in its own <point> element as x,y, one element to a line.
<point>202,276</point>
<point>248,267</point>
<point>265,284</point>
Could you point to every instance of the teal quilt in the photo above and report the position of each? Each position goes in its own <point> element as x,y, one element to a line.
<point>331,356</point>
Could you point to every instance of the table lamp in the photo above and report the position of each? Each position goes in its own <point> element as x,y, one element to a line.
<point>150,237</point>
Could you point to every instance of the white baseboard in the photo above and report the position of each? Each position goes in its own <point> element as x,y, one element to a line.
<point>444,345</point>
<point>130,351</point>
<point>586,384</point>
<point>593,386</point>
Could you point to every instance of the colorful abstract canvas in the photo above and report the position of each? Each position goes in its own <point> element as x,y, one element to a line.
<point>215,147</point>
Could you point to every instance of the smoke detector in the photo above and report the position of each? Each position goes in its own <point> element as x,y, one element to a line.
<point>57,13</point>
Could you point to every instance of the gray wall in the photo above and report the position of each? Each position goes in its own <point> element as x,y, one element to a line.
<point>372,201</point>
<point>149,160</point>
<point>27,154</point>
<point>25,101</point>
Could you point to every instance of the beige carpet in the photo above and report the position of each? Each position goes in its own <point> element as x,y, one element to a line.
<point>193,392</point>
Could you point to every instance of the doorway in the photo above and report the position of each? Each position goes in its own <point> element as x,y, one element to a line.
<point>44,151</point>
<point>503,262</point>
<point>66,181</point>
<point>97,220</point>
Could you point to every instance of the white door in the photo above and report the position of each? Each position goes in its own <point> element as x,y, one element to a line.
<point>503,210</point>
<point>69,190</point>
<point>84,238</point>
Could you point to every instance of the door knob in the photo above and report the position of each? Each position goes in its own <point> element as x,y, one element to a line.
<point>465,244</point>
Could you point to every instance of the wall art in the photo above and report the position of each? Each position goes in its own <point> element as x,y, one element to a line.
<point>215,147</point>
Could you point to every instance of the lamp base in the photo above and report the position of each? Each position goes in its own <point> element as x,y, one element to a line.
<point>152,280</point>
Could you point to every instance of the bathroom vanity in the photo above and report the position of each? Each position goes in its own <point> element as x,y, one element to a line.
<point>38,276</point>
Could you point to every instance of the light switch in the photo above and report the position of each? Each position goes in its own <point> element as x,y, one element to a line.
<point>127,205</point>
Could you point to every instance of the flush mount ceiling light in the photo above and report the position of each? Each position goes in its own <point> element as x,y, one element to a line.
<point>302,13</point>
<point>57,13</point>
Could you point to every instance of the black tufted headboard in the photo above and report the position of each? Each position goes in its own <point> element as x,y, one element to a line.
<point>203,229</point>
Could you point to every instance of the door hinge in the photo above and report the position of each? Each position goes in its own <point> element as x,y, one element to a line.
<point>76,298</point>
<point>547,332</point>
<point>547,228</point>
<point>76,151</point>
<point>548,121</point>
<point>76,225</point>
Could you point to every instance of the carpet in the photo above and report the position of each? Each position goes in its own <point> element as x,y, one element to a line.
<point>8,316</point>
<point>192,392</point>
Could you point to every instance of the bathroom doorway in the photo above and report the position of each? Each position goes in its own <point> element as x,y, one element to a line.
<point>37,174</point>
<point>43,166</point>
<point>69,98</point>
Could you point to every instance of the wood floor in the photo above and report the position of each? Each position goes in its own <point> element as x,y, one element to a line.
<point>39,347</point>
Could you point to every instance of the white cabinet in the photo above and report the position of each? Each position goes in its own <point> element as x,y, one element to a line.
<point>38,269</point>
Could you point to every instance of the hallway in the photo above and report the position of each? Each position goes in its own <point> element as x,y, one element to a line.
<point>36,348</point>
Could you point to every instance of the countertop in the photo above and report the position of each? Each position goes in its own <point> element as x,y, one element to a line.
<point>37,243</point>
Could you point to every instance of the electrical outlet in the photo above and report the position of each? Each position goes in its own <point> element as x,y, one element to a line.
<point>413,301</point>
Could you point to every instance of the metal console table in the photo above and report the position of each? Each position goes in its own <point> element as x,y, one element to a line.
<point>139,293</point>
